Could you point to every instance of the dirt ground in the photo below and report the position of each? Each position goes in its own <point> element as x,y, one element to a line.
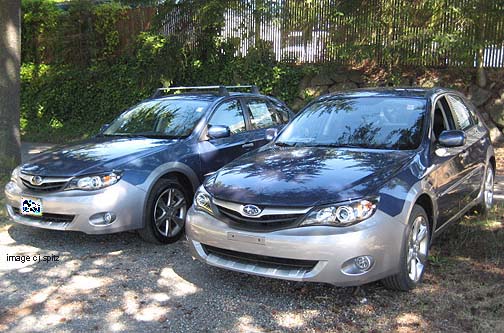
<point>120,283</point>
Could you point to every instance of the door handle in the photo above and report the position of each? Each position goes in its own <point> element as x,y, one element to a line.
<point>248,145</point>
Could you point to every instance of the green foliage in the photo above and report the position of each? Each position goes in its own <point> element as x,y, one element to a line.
<point>79,35</point>
<point>39,22</point>
<point>259,67</point>
<point>157,59</point>
<point>63,102</point>
<point>105,27</point>
<point>67,102</point>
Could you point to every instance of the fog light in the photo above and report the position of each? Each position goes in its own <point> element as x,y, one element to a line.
<point>358,265</point>
<point>102,219</point>
<point>363,263</point>
<point>108,217</point>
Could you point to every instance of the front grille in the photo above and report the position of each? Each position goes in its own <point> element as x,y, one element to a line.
<point>45,184</point>
<point>286,218</point>
<point>276,219</point>
<point>260,260</point>
<point>47,187</point>
<point>46,217</point>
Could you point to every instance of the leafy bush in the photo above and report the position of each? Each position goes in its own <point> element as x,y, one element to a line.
<point>39,22</point>
<point>64,102</point>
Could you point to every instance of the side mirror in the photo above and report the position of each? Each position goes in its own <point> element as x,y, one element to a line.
<point>453,138</point>
<point>218,131</point>
<point>104,128</point>
<point>271,133</point>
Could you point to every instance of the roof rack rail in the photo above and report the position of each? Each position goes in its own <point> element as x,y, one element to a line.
<point>223,90</point>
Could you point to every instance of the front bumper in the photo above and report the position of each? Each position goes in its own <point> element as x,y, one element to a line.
<point>330,248</point>
<point>72,210</point>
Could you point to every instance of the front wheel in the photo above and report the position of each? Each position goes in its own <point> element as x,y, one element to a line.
<point>414,254</point>
<point>166,211</point>
<point>486,205</point>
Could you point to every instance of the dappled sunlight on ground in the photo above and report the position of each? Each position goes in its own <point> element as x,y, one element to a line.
<point>119,283</point>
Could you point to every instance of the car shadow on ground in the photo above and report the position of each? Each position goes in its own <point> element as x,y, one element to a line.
<point>118,282</point>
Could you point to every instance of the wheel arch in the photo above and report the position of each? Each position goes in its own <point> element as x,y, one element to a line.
<point>182,172</point>
<point>426,202</point>
<point>182,178</point>
<point>493,162</point>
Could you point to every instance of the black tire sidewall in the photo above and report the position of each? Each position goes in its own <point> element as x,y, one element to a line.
<point>161,186</point>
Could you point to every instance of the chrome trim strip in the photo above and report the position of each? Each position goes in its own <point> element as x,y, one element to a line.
<point>45,180</point>
<point>266,211</point>
<point>456,216</point>
<point>460,181</point>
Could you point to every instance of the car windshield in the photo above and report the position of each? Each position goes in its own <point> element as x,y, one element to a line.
<point>364,122</point>
<point>159,118</point>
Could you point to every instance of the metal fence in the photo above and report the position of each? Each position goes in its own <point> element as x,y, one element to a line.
<point>396,32</point>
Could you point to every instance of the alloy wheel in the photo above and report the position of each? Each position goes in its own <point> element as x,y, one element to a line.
<point>169,212</point>
<point>488,192</point>
<point>417,248</point>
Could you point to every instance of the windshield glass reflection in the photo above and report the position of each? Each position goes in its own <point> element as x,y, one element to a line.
<point>160,119</point>
<point>366,122</point>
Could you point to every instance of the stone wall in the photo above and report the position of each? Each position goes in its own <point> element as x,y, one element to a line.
<point>488,99</point>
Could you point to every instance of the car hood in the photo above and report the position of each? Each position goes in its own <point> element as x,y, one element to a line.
<point>92,156</point>
<point>305,176</point>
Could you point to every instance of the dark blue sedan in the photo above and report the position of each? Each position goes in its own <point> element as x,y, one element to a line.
<point>141,171</point>
<point>353,190</point>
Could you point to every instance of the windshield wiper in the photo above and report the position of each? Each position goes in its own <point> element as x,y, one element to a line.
<point>284,144</point>
<point>163,136</point>
<point>145,135</point>
<point>337,145</point>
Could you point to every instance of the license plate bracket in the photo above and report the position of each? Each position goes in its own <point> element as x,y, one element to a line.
<point>239,237</point>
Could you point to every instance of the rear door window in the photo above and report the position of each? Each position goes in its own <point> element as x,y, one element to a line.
<point>263,114</point>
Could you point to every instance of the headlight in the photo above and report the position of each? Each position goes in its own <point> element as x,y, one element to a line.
<point>202,200</point>
<point>90,183</point>
<point>342,214</point>
<point>15,174</point>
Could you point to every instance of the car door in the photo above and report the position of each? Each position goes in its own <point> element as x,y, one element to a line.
<point>263,114</point>
<point>448,169</point>
<point>215,153</point>
<point>473,157</point>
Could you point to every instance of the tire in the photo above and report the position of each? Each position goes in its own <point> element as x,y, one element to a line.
<point>414,250</point>
<point>488,183</point>
<point>167,205</point>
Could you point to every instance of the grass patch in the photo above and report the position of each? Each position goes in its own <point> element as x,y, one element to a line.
<point>474,238</point>
<point>464,278</point>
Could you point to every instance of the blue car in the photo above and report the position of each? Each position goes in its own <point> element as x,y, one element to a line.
<point>141,171</point>
<point>353,190</point>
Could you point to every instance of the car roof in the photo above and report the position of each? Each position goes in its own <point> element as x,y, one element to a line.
<point>412,92</point>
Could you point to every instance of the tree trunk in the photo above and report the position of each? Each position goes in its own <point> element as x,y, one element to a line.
<point>257,12</point>
<point>10,59</point>
<point>481,79</point>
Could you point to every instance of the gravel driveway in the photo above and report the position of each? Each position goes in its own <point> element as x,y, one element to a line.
<point>120,283</point>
